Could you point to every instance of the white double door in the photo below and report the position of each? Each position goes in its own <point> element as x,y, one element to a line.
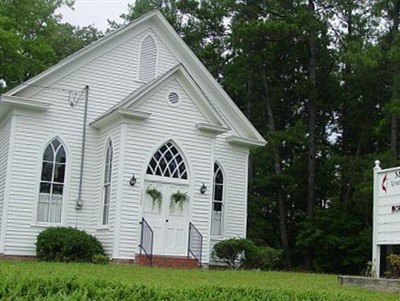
<point>168,219</point>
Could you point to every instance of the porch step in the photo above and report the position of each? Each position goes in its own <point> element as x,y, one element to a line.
<point>168,261</point>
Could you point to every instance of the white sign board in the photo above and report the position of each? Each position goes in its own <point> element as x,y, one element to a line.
<point>386,216</point>
<point>387,207</point>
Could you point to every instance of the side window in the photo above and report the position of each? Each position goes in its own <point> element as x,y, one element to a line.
<point>218,201</point>
<point>148,59</point>
<point>107,184</point>
<point>52,183</point>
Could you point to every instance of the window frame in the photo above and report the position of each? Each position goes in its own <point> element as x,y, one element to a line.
<point>214,201</point>
<point>182,175</point>
<point>107,185</point>
<point>52,182</point>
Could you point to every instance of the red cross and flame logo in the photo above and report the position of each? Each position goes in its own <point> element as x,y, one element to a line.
<point>383,184</point>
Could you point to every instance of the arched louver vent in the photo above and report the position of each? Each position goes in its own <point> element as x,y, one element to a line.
<point>148,59</point>
<point>173,98</point>
<point>168,162</point>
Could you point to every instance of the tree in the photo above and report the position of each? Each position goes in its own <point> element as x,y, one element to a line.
<point>32,38</point>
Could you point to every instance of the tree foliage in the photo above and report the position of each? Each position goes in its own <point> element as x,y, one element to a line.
<point>32,38</point>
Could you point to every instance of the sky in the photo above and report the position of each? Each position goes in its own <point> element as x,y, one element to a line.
<point>94,12</point>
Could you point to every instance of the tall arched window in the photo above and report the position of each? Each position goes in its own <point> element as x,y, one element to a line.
<point>148,59</point>
<point>52,183</point>
<point>107,184</point>
<point>168,162</point>
<point>218,201</point>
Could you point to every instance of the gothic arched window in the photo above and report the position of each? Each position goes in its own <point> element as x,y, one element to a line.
<point>218,201</point>
<point>168,162</point>
<point>107,184</point>
<point>52,183</point>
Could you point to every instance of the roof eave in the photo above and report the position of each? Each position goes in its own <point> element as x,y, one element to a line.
<point>241,141</point>
<point>119,114</point>
<point>10,103</point>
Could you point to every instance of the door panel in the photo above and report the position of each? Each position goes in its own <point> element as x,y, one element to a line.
<point>168,219</point>
<point>153,212</point>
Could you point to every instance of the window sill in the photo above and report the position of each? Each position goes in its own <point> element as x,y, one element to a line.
<point>46,225</point>
<point>213,237</point>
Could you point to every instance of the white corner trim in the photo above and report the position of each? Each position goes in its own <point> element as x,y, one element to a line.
<point>119,197</point>
<point>235,140</point>
<point>6,201</point>
<point>211,128</point>
<point>119,114</point>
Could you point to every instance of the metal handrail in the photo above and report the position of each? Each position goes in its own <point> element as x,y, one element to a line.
<point>195,243</point>
<point>146,240</point>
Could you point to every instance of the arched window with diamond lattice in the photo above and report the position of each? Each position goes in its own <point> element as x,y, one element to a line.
<point>168,162</point>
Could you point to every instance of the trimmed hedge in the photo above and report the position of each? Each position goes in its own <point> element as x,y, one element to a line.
<point>67,244</point>
<point>22,288</point>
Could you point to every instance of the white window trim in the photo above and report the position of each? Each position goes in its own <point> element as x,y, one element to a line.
<point>64,210</point>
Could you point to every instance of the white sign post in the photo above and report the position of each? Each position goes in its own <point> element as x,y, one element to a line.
<point>386,216</point>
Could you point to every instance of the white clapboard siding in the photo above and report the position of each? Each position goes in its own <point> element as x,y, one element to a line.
<point>110,77</point>
<point>143,139</point>
<point>5,131</point>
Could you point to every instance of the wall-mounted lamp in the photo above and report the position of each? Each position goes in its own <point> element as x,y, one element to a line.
<point>203,189</point>
<point>132,181</point>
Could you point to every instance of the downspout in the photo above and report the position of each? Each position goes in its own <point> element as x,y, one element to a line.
<point>79,201</point>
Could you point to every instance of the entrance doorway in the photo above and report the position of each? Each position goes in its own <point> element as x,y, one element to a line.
<point>168,217</point>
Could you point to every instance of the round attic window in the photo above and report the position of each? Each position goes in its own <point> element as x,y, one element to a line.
<point>173,98</point>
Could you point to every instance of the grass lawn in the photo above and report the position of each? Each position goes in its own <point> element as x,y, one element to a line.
<point>180,278</point>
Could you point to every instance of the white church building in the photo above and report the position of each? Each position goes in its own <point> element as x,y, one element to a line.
<point>130,139</point>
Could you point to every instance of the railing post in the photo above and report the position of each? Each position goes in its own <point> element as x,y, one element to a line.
<point>197,254</point>
<point>190,229</point>
<point>141,237</point>
<point>146,240</point>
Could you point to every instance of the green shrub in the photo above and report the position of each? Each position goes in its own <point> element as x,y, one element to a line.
<point>394,261</point>
<point>240,252</point>
<point>101,259</point>
<point>67,244</point>
<point>262,257</point>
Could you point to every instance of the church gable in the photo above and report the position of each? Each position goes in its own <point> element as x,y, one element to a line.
<point>171,104</point>
<point>113,75</point>
<point>125,61</point>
